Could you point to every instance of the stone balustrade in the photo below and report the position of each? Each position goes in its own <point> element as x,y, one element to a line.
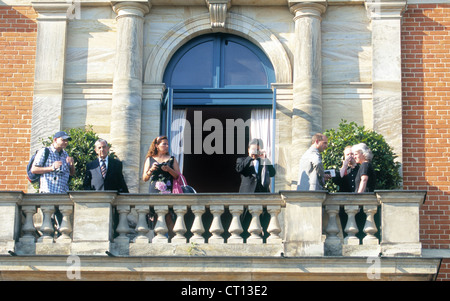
<point>285,224</point>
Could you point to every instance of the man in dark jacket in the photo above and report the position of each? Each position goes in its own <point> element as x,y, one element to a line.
<point>255,169</point>
<point>104,173</point>
<point>346,176</point>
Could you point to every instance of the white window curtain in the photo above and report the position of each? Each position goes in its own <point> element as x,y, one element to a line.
<point>177,135</point>
<point>261,127</point>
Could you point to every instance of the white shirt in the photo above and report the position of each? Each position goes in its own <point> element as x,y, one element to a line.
<point>106,161</point>
<point>256,165</point>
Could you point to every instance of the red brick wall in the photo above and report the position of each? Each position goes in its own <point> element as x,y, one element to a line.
<point>426,113</point>
<point>17,55</point>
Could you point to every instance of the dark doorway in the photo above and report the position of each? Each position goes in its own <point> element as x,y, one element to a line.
<point>215,172</point>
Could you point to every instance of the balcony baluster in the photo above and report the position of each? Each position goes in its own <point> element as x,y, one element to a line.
<point>123,229</point>
<point>333,244</point>
<point>142,226</point>
<point>274,228</point>
<point>47,228</point>
<point>351,228</point>
<point>255,228</point>
<point>161,226</point>
<point>66,225</point>
<point>370,227</point>
<point>28,229</point>
<point>180,227</point>
<point>235,228</point>
<point>197,228</point>
<point>216,228</point>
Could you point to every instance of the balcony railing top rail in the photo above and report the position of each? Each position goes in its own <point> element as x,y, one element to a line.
<point>379,196</point>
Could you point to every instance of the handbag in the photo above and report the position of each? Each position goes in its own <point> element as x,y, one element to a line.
<point>180,186</point>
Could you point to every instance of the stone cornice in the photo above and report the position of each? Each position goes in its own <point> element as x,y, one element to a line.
<point>202,2</point>
<point>52,11</point>
<point>230,268</point>
<point>385,9</point>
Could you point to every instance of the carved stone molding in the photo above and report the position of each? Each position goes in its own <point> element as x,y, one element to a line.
<point>218,12</point>
<point>385,9</point>
<point>52,11</point>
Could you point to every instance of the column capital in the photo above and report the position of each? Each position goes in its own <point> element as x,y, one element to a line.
<point>385,9</point>
<point>136,8</point>
<point>52,11</point>
<point>308,8</point>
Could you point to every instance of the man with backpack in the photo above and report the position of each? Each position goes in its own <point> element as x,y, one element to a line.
<point>54,166</point>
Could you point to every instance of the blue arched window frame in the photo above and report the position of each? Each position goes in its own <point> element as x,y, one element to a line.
<point>219,93</point>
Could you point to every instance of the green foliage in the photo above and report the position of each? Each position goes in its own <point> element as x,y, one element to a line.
<point>82,149</point>
<point>387,170</point>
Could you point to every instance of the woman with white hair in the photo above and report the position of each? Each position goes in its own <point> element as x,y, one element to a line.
<point>365,179</point>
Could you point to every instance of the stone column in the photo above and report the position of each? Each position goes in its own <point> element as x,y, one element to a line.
<point>385,19</point>
<point>127,88</point>
<point>307,82</point>
<point>49,70</point>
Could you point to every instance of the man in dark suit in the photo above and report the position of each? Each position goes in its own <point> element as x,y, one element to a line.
<point>104,173</point>
<point>255,170</point>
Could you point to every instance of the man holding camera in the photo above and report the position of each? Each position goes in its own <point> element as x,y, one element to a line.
<point>255,169</point>
<point>57,168</point>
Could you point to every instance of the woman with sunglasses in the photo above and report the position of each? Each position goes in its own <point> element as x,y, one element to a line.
<point>160,167</point>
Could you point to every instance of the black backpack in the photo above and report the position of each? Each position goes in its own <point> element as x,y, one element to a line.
<point>34,178</point>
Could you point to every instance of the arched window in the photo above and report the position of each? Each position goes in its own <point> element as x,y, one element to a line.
<point>213,63</point>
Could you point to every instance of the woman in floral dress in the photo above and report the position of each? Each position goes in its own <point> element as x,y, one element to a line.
<point>160,168</point>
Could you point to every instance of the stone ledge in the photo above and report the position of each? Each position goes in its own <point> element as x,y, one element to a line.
<point>217,268</point>
<point>205,250</point>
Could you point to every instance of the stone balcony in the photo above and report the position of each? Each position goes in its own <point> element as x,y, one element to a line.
<point>289,235</point>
